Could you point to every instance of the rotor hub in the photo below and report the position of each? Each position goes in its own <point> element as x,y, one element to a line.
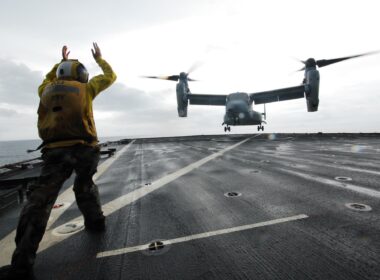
<point>310,62</point>
<point>183,76</point>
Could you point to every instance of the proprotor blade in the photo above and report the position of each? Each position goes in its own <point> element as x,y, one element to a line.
<point>173,78</point>
<point>170,78</point>
<point>195,66</point>
<point>325,62</point>
<point>303,68</point>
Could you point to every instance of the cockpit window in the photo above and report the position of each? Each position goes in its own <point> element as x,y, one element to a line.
<point>238,96</point>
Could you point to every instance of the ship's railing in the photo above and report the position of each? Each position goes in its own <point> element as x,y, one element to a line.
<point>25,164</point>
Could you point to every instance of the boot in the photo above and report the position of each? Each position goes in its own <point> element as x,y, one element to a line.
<point>97,225</point>
<point>8,272</point>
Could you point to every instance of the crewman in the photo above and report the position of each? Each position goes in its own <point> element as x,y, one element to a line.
<point>70,143</point>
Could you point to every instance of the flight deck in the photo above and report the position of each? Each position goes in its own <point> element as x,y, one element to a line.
<point>253,206</point>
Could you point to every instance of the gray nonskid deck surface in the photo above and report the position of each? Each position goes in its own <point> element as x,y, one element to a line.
<point>277,177</point>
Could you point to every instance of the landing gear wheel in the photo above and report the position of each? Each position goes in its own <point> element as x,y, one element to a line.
<point>225,129</point>
<point>229,128</point>
<point>262,128</point>
<point>258,128</point>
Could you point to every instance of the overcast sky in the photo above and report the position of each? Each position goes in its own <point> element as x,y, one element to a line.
<point>244,45</point>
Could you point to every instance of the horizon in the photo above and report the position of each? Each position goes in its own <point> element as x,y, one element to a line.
<point>197,135</point>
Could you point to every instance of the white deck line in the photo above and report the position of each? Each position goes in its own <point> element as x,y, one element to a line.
<point>120,202</point>
<point>313,162</point>
<point>201,235</point>
<point>343,185</point>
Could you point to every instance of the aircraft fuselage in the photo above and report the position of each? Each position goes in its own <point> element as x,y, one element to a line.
<point>239,110</point>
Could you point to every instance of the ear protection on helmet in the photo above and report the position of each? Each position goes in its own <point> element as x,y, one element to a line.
<point>73,70</point>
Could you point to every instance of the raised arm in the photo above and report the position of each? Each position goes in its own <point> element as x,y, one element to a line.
<point>103,81</point>
<point>51,76</point>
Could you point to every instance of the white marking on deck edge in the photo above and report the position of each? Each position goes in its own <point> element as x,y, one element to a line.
<point>7,243</point>
<point>343,185</point>
<point>142,191</point>
<point>201,235</point>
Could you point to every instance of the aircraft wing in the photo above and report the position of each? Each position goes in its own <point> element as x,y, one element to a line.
<point>207,99</point>
<point>278,95</point>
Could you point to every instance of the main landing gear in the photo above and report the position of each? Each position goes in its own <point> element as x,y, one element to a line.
<point>260,127</point>
<point>227,127</point>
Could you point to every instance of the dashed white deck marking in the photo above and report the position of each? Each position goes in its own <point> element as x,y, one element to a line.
<point>343,185</point>
<point>201,235</point>
<point>314,162</point>
<point>7,244</point>
<point>122,201</point>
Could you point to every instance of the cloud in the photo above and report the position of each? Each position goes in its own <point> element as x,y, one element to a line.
<point>18,100</point>
<point>122,98</point>
<point>350,108</point>
<point>246,50</point>
<point>119,110</point>
<point>160,122</point>
<point>5,112</point>
<point>80,22</point>
<point>17,123</point>
<point>18,83</point>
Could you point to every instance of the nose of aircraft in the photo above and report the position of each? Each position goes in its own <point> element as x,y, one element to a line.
<point>236,106</point>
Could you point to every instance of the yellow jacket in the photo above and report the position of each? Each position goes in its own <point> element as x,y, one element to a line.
<point>88,92</point>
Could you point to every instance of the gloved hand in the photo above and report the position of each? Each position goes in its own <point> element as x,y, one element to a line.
<point>65,53</point>
<point>96,53</point>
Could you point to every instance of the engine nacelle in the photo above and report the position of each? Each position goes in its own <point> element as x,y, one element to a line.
<point>182,100</point>
<point>312,89</point>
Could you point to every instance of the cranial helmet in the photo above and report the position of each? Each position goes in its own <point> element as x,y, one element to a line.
<point>72,69</point>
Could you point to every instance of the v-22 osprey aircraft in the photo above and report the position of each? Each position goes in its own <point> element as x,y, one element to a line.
<point>239,105</point>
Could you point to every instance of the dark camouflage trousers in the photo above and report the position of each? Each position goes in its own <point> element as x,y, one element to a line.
<point>58,165</point>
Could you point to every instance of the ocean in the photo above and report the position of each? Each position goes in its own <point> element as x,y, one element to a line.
<point>15,151</point>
